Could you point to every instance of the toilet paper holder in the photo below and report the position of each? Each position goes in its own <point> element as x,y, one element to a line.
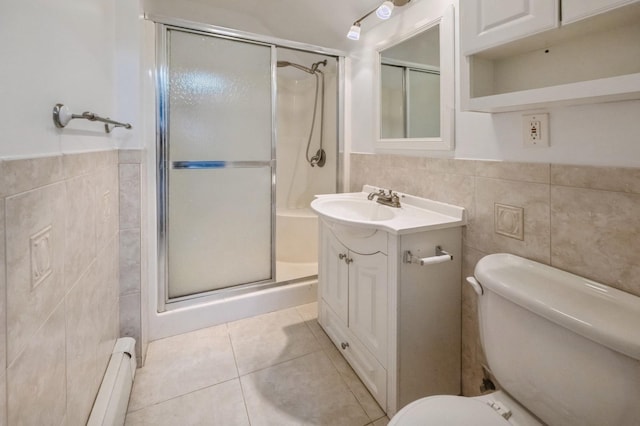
<point>440,257</point>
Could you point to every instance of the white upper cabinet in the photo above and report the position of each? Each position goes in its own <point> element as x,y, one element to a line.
<point>530,54</point>
<point>574,10</point>
<point>488,23</point>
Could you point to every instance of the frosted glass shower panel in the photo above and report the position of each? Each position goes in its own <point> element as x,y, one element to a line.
<point>220,222</point>
<point>424,104</point>
<point>392,102</point>
<point>219,97</point>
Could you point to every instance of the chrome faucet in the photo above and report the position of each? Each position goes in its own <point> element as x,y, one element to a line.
<point>390,199</point>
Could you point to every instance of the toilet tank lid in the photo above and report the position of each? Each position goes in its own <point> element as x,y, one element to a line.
<point>595,311</point>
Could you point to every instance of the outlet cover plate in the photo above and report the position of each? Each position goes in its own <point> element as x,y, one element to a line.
<point>535,130</point>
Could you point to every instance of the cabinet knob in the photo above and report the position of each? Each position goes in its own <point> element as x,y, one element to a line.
<point>344,345</point>
<point>342,256</point>
<point>348,260</point>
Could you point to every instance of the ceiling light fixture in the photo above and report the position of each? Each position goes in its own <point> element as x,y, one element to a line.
<point>385,9</point>
<point>354,32</point>
<point>383,12</point>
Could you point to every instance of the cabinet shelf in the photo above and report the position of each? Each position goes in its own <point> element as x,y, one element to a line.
<point>592,60</point>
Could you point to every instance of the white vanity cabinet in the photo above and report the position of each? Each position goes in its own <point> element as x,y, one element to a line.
<point>353,301</point>
<point>529,54</point>
<point>397,323</point>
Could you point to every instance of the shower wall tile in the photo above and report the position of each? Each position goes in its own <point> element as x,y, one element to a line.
<point>130,156</point>
<point>129,196</point>
<point>596,234</point>
<point>620,179</point>
<point>36,382</point>
<point>32,298</point>
<point>81,227</point>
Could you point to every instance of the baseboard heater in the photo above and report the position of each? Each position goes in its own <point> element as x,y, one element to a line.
<point>110,408</point>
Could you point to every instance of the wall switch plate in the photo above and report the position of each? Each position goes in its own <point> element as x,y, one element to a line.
<point>535,128</point>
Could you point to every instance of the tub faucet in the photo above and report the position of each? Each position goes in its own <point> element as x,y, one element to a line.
<point>391,199</point>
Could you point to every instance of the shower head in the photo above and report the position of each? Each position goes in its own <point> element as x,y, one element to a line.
<point>312,70</point>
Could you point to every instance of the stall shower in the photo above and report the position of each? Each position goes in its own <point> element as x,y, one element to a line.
<point>247,134</point>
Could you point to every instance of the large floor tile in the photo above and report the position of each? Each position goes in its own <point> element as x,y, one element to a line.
<point>305,391</point>
<point>221,404</point>
<point>182,364</point>
<point>309,313</point>
<point>269,339</point>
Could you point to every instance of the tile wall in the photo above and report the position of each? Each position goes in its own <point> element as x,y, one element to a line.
<point>132,247</point>
<point>582,219</point>
<point>58,284</point>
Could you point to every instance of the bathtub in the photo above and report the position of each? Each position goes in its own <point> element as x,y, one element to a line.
<point>296,236</point>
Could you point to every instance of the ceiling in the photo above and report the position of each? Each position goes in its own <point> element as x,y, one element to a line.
<point>319,22</point>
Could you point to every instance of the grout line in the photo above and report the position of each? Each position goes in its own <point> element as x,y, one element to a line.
<point>235,360</point>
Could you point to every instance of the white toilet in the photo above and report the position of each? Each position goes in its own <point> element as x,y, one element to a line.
<point>564,349</point>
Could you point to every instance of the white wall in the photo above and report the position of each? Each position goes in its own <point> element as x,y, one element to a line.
<point>597,134</point>
<point>52,52</point>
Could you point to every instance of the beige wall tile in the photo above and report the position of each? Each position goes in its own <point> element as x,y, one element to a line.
<point>451,166</point>
<point>525,172</point>
<point>3,397</point>
<point>130,315</point>
<point>472,353</point>
<point>18,176</point>
<point>80,241</point>
<point>131,156</point>
<point>3,298</point>
<point>82,319</point>
<point>30,305</point>
<point>130,261</point>
<point>129,177</point>
<point>608,178</point>
<point>36,382</point>
<point>532,197</point>
<point>107,304</point>
<point>79,164</point>
<point>107,204</point>
<point>596,234</point>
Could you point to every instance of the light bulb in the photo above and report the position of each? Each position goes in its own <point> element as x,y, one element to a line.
<point>354,32</point>
<point>385,9</point>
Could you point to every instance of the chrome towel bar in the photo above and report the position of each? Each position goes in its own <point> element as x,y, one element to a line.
<point>62,116</point>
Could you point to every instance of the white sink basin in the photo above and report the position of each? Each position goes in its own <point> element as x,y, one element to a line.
<point>415,214</point>
<point>354,209</point>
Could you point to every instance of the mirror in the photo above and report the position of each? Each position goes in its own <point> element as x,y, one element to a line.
<point>415,89</point>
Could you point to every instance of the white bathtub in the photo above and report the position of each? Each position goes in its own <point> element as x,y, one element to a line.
<point>296,236</point>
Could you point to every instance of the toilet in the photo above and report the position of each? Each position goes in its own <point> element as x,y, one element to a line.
<point>563,349</point>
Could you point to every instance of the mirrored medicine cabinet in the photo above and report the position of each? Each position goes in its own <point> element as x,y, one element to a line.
<point>415,88</point>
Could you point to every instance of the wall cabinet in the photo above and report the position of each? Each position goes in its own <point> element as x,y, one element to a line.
<point>398,325</point>
<point>538,53</point>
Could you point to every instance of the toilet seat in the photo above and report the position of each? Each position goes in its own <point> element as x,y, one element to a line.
<point>447,410</point>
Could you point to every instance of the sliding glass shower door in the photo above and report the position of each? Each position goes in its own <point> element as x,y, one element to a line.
<point>216,163</point>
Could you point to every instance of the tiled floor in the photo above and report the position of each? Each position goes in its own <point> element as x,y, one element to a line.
<point>274,369</point>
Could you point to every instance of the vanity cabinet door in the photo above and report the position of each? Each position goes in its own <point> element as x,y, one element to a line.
<point>575,10</point>
<point>368,302</point>
<point>488,23</point>
<point>334,274</point>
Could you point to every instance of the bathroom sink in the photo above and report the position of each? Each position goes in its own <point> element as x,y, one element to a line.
<point>354,210</point>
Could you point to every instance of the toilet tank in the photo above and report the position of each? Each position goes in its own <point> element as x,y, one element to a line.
<point>565,347</point>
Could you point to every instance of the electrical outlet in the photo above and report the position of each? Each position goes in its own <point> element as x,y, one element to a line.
<point>535,129</point>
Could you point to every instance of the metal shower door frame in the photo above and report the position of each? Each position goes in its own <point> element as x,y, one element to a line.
<point>163,25</point>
